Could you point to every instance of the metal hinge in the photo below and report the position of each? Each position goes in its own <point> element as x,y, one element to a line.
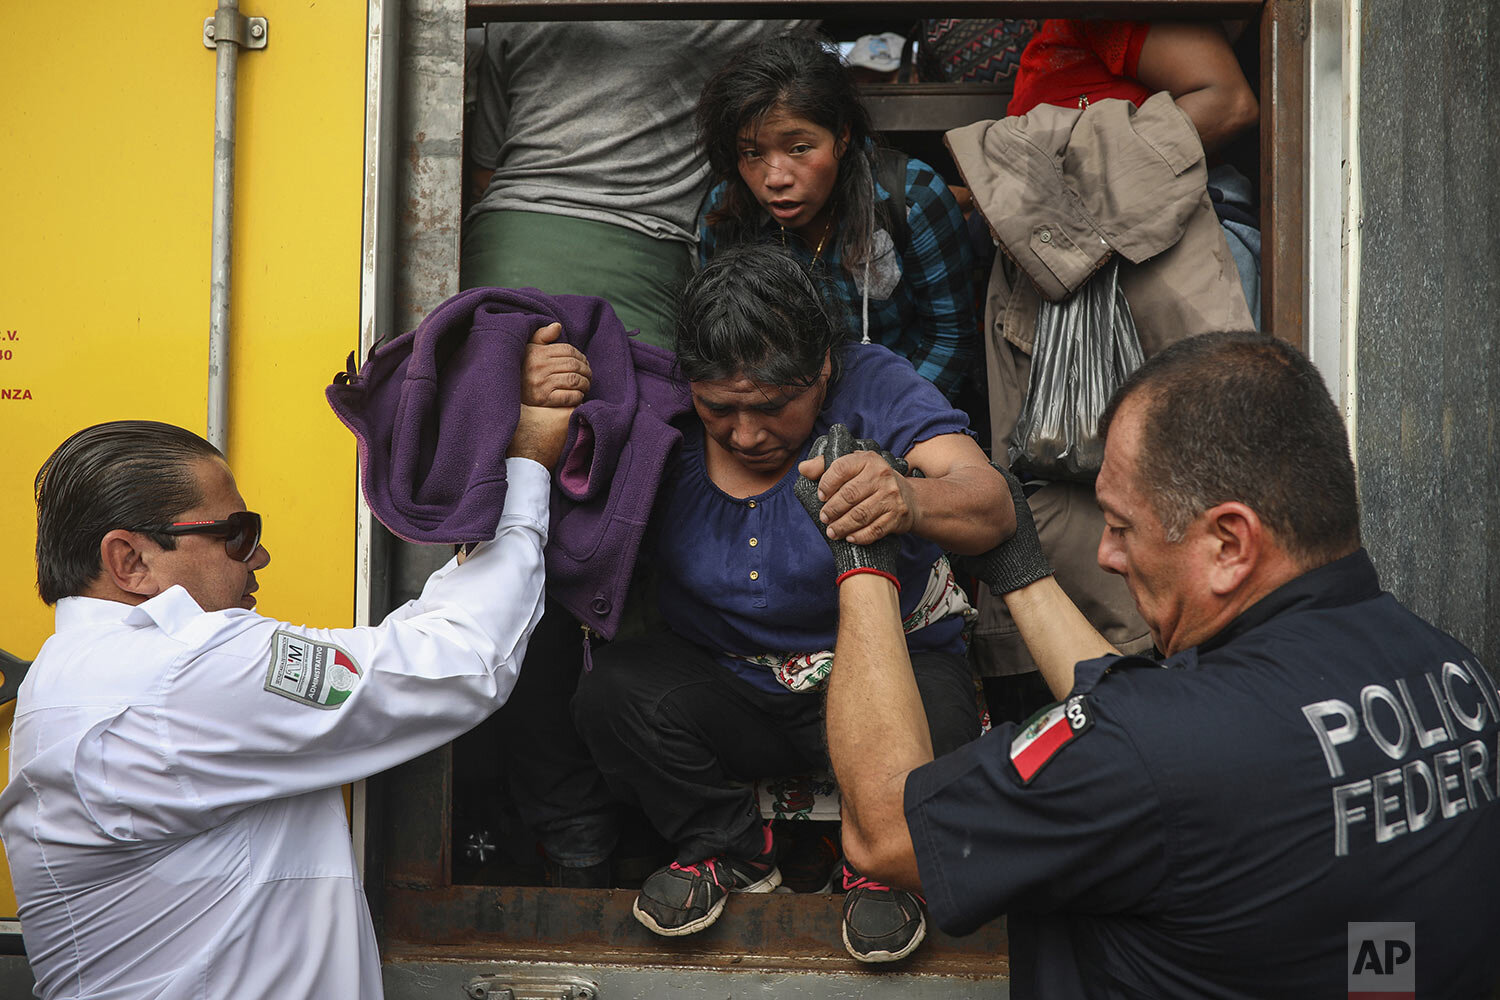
<point>229,25</point>
<point>500,987</point>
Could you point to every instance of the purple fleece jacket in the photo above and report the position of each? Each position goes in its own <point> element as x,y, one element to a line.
<point>434,411</point>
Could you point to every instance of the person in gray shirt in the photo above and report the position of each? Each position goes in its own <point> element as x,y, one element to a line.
<point>582,138</point>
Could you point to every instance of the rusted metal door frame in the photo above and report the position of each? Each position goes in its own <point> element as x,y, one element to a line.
<point>1283,169</point>
<point>423,916</point>
<point>481,11</point>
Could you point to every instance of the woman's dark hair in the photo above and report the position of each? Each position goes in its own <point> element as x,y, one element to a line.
<point>754,312</point>
<point>131,474</point>
<point>803,76</point>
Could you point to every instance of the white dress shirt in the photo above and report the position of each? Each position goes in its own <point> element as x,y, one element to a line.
<point>173,821</point>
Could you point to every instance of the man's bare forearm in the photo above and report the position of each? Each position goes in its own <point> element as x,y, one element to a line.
<point>877,729</point>
<point>1056,633</point>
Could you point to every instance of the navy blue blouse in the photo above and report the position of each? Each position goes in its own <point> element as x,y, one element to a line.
<point>755,575</point>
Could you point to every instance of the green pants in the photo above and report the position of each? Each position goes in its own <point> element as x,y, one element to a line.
<point>639,275</point>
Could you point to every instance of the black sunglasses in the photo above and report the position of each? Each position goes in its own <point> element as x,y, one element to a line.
<point>240,531</point>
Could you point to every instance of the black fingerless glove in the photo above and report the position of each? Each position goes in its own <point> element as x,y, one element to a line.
<point>1018,560</point>
<point>879,557</point>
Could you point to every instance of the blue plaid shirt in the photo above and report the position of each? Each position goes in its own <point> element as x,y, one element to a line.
<point>929,318</point>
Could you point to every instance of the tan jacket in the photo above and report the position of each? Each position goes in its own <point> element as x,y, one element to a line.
<point>1064,188</point>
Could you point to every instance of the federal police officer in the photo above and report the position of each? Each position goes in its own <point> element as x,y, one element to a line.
<point>1302,803</point>
<point>173,820</point>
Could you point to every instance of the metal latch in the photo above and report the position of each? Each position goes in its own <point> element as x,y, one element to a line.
<point>501,987</point>
<point>229,25</point>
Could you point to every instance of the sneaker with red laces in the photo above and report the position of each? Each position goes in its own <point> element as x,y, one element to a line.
<point>684,899</point>
<point>881,923</point>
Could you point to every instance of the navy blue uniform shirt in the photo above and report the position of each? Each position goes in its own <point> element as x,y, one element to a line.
<point>1214,828</point>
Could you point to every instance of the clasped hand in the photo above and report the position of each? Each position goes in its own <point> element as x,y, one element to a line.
<point>555,374</point>
<point>555,378</point>
<point>865,494</point>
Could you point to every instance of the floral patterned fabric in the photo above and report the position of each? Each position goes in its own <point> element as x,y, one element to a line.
<point>804,672</point>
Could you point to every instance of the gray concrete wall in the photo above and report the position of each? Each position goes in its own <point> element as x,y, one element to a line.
<point>1428,379</point>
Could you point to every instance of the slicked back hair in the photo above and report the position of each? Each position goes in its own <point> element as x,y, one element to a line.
<point>131,474</point>
<point>754,312</point>
<point>1245,417</point>
<point>802,75</point>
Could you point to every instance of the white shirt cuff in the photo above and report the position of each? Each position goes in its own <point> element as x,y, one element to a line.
<point>528,493</point>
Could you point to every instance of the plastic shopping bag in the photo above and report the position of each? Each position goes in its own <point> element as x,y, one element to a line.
<point>1085,347</point>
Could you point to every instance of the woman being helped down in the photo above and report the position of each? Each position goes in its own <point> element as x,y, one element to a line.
<point>796,163</point>
<point>681,720</point>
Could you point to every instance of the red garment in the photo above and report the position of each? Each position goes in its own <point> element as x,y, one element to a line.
<point>1070,60</point>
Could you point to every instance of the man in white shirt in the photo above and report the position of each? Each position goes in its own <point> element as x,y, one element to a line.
<point>173,821</point>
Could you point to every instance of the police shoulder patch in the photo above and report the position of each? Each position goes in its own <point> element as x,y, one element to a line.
<point>1044,736</point>
<point>316,673</point>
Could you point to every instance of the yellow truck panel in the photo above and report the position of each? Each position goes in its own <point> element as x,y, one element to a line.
<point>105,221</point>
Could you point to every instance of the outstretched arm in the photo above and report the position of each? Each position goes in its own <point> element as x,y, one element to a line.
<point>872,678</point>
<point>1056,633</point>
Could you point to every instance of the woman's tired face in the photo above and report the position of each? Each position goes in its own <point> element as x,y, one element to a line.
<point>790,165</point>
<point>764,428</point>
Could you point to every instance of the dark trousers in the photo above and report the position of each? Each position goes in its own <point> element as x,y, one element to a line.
<point>558,791</point>
<point>682,736</point>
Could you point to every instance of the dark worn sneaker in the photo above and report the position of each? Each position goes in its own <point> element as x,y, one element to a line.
<point>684,899</point>
<point>881,923</point>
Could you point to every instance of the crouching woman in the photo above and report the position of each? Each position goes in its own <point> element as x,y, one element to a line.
<point>682,720</point>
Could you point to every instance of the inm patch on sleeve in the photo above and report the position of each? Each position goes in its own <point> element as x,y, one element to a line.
<point>1047,733</point>
<point>319,674</point>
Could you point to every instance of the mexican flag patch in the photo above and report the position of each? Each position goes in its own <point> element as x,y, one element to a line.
<point>316,673</point>
<point>1049,731</point>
